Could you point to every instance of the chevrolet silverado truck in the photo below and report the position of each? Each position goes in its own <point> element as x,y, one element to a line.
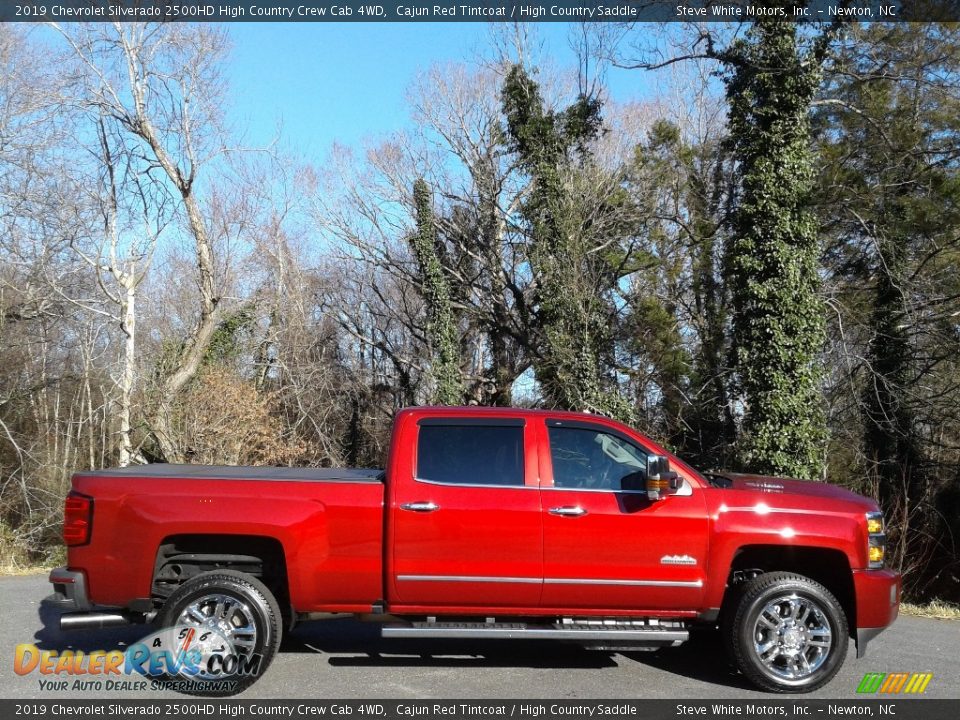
<point>487,523</point>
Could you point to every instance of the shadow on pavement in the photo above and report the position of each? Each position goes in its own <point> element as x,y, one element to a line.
<point>702,658</point>
<point>349,643</point>
<point>49,637</point>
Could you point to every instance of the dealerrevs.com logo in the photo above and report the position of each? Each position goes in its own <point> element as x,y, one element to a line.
<point>899,683</point>
<point>182,658</point>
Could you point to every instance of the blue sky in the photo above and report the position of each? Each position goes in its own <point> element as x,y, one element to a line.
<point>345,82</point>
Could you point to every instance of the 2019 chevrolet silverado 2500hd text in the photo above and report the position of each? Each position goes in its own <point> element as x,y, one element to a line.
<point>486,523</point>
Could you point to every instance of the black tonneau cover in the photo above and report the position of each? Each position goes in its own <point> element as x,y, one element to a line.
<point>230,472</point>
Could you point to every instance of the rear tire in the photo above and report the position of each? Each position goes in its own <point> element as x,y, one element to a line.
<point>236,607</point>
<point>788,634</point>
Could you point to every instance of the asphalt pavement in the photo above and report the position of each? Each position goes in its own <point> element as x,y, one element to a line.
<point>344,659</point>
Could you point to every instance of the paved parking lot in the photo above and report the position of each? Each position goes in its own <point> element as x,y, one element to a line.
<point>346,659</point>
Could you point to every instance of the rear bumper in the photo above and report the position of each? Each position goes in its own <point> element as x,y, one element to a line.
<point>69,590</point>
<point>878,603</point>
<point>74,611</point>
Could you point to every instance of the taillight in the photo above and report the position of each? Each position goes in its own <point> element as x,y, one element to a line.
<point>77,517</point>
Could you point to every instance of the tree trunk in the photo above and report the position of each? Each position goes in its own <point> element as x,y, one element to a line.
<point>127,378</point>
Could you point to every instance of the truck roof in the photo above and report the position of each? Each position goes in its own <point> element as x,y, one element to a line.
<point>477,410</point>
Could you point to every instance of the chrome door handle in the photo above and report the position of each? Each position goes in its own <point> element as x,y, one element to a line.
<point>420,506</point>
<point>568,511</point>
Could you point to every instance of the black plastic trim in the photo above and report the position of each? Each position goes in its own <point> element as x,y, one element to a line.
<point>710,615</point>
<point>69,590</point>
<point>864,636</point>
<point>473,421</point>
<point>229,472</point>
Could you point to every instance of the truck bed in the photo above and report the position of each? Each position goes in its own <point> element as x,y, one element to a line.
<point>328,521</point>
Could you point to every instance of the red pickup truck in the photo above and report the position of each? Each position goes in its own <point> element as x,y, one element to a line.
<point>487,523</point>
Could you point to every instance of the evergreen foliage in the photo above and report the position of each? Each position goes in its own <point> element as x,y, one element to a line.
<point>660,266</point>
<point>572,317</point>
<point>682,186</point>
<point>773,258</point>
<point>442,323</point>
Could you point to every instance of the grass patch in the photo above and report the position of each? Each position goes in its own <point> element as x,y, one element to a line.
<point>8,570</point>
<point>932,609</point>
<point>17,558</point>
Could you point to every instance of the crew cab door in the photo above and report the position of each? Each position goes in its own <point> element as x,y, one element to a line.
<point>606,546</point>
<point>465,517</point>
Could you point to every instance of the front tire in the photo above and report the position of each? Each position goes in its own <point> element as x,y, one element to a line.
<point>233,606</point>
<point>788,634</point>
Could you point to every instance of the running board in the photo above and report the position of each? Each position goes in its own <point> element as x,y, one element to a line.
<point>626,633</point>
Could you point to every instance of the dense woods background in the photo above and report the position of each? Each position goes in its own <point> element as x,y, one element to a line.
<point>758,265</point>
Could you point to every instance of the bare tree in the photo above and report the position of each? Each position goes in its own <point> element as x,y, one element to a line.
<point>161,84</point>
<point>132,213</point>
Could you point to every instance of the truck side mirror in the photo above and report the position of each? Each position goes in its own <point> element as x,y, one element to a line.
<point>661,480</point>
<point>634,482</point>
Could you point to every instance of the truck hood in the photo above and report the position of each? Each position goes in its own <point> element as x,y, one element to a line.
<point>790,486</point>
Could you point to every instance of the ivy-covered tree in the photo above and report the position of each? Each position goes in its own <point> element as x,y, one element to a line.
<point>572,316</point>
<point>773,257</point>
<point>442,323</point>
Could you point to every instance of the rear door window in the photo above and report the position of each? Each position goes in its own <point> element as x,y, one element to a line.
<point>471,454</point>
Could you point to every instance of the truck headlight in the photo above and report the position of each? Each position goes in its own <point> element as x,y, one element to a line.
<point>876,539</point>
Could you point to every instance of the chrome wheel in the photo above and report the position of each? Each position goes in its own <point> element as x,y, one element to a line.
<point>792,637</point>
<point>227,617</point>
<point>228,626</point>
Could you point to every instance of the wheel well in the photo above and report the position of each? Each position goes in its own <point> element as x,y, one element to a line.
<point>828,567</point>
<point>181,557</point>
